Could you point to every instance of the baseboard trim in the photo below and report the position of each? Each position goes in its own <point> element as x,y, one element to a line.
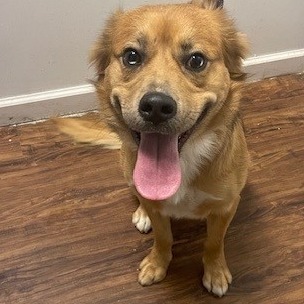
<point>42,105</point>
<point>271,65</point>
<point>46,95</point>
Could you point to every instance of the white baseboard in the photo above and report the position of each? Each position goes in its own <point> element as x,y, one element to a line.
<point>271,65</point>
<point>42,105</point>
<point>31,107</point>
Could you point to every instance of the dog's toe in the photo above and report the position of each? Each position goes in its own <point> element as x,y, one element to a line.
<point>151,272</point>
<point>141,220</point>
<point>217,288</point>
<point>217,281</point>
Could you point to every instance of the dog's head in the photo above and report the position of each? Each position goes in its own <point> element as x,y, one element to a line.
<point>167,69</point>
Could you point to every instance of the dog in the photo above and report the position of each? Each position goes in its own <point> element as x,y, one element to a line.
<point>169,82</point>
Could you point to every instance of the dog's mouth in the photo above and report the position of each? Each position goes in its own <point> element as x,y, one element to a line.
<point>157,173</point>
<point>183,137</point>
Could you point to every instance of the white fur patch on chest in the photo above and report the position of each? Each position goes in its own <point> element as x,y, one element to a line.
<point>197,153</point>
<point>187,207</point>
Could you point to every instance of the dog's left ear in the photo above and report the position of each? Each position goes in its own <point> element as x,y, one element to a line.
<point>208,4</point>
<point>100,54</point>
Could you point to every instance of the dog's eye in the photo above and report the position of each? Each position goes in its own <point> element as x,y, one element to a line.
<point>131,58</point>
<point>196,62</point>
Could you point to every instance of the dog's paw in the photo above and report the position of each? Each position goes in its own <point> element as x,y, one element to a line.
<point>151,271</point>
<point>141,220</point>
<point>216,279</point>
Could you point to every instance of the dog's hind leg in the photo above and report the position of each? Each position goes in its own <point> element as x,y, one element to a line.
<point>141,220</point>
<point>217,276</point>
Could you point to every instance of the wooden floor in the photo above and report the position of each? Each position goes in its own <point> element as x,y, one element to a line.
<point>65,217</point>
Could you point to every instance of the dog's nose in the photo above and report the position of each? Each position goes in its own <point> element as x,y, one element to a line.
<point>157,107</point>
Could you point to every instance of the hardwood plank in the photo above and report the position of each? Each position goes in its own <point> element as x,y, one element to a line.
<point>10,146</point>
<point>65,217</point>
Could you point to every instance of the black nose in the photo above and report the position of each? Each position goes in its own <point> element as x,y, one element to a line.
<point>157,107</point>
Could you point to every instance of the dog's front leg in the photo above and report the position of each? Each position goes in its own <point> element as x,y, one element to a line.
<point>217,276</point>
<point>154,267</point>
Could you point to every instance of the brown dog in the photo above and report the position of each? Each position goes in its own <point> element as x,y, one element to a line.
<point>169,81</point>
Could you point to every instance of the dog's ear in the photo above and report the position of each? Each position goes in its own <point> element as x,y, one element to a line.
<point>208,4</point>
<point>235,49</point>
<point>234,44</point>
<point>100,54</point>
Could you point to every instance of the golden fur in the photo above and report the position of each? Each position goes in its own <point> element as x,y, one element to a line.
<point>214,159</point>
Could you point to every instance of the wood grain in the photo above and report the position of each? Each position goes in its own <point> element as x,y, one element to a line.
<point>65,217</point>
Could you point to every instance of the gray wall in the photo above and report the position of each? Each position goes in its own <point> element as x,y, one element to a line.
<point>44,44</point>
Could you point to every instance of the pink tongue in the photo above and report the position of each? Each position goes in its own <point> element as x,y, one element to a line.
<point>157,173</point>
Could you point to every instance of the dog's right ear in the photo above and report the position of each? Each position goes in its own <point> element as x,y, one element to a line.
<point>100,54</point>
<point>208,4</point>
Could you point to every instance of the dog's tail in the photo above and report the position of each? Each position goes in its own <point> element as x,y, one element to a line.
<point>89,130</point>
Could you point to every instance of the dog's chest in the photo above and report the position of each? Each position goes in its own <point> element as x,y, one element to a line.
<point>187,203</point>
